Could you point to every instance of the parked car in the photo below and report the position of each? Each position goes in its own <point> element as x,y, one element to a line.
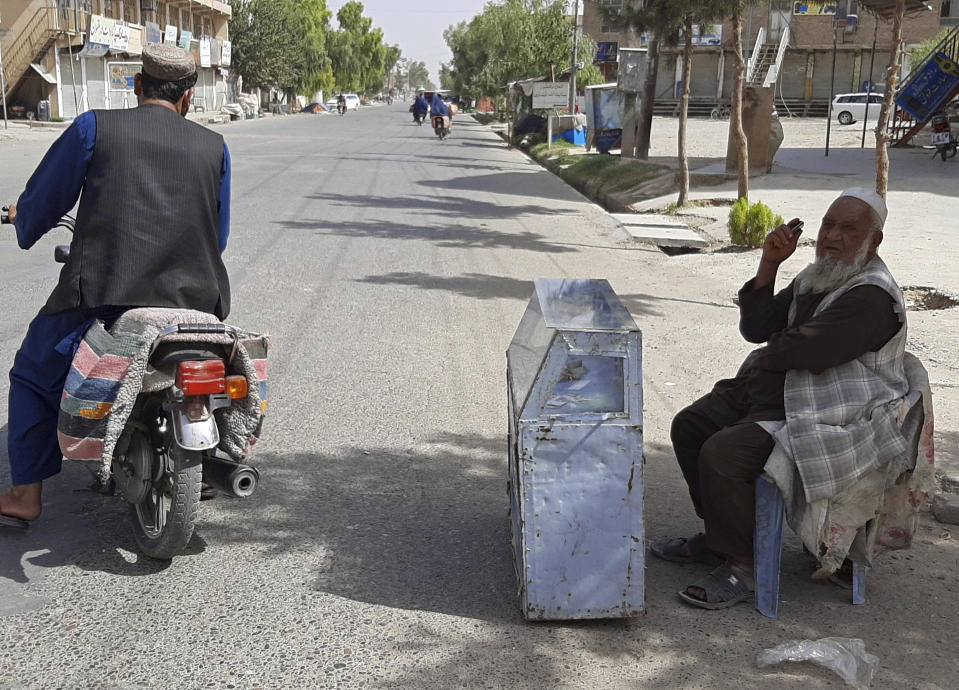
<point>352,102</point>
<point>851,107</point>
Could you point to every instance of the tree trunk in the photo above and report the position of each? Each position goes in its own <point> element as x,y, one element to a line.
<point>736,111</point>
<point>892,76</point>
<point>683,115</point>
<point>649,99</point>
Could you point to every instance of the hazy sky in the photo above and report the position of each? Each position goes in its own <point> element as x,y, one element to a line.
<point>417,25</point>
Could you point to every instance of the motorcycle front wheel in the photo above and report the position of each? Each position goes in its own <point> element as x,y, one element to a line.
<point>164,519</point>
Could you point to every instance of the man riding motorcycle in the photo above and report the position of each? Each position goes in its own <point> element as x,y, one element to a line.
<point>341,104</point>
<point>420,108</point>
<point>153,220</point>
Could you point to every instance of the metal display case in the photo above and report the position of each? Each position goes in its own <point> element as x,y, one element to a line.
<point>574,375</point>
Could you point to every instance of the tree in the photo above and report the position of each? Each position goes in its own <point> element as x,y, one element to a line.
<point>314,18</point>
<point>269,46</point>
<point>446,76</point>
<point>664,20</point>
<point>892,76</point>
<point>511,40</point>
<point>359,58</point>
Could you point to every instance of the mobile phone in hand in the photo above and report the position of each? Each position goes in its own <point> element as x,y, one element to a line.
<point>795,226</point>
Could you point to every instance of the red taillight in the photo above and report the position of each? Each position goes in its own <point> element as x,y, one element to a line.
<point>201,378</point>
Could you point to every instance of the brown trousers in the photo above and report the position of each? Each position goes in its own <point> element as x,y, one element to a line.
<point>721,457</point>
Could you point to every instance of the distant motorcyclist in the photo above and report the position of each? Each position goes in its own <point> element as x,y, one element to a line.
<point>420,108</point>
<point>341,103</point>
<point>439,107</point>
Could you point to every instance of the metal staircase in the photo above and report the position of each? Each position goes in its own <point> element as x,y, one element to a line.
<point>903,126</point>
<point>766,59</point>
<point>30,45</point>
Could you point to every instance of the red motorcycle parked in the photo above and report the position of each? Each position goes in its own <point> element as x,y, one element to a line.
<point>942,138</point>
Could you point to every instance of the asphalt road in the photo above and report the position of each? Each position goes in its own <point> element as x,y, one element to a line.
<point>391,269</point>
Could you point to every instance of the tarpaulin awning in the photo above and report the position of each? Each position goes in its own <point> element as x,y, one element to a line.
<point>886,9</point>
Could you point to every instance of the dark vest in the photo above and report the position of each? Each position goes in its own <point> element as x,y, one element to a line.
<point>147,232</point>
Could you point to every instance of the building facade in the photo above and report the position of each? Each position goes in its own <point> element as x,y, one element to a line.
<point>806,72</point>
<point>63,57</point>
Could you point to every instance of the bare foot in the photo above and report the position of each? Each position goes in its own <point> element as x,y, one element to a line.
<point>23,501</point>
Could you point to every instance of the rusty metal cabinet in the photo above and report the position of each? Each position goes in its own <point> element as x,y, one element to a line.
<point>574,375</point>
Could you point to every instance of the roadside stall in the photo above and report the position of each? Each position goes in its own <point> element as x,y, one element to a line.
<point>576,454</point>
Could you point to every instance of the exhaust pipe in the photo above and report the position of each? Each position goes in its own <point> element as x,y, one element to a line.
<point>232,478</point>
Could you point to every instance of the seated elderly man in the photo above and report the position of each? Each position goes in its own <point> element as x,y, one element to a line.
<point>831,368</point>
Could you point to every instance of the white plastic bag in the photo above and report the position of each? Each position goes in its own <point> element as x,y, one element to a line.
<point>844,655</point>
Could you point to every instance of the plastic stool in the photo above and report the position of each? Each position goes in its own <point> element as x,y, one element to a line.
<point>768,546</point>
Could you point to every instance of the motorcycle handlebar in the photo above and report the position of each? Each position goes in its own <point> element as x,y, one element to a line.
<point>4,215</point>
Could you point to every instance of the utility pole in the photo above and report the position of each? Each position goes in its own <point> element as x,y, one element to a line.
<point>572,72</point>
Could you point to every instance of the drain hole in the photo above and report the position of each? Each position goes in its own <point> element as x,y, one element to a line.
<point>920,298</point>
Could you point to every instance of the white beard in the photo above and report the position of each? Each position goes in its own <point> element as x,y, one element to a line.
<point>826,274</point>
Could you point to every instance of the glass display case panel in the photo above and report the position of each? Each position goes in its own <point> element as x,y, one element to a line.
<point>587,384</point>
<point>582,305</point>
<point>526,353</point>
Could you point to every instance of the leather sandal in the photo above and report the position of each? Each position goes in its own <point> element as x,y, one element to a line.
<point>722,587</point>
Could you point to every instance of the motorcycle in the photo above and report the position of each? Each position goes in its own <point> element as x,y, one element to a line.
<point>194,395</point>
<point>946,144</point>
<point>442,125</point>
<point>418,118</point>
<point>341,108</point>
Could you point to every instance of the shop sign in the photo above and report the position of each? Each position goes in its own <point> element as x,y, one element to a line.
<point>225,56</point>
<point>185,38</point>
<point>93,50</point>
<point>216,46</point>
<point>135,46</point>
<point>169,37</point>
<point>815,7</point>
<point>934,84</point>
<point>101,29</point>
<point>122,75</point>
<point>606,51</point>
<point>550,94</point>
<point>121,37</point>
<point>153,33</point>
<point>712,36</point>
<point>205,53</point>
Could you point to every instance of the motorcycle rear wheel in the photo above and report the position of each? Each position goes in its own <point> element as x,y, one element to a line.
<point>163,521</point>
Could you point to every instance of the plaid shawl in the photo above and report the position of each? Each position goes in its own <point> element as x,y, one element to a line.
<point>841,424</point>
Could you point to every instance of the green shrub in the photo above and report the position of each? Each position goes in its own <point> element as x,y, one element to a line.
<point>749,223</point>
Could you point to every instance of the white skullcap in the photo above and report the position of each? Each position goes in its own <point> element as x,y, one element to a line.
<point>875,202</point>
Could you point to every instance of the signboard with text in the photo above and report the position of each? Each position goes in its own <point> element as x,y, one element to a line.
<point>185,37</point>
<point>121,37</point>
<point>122,74</point>
<point>135,45</point>
<point>169,36</point>
<point>707,35</point>
<point>815,7</point>
<point>153,33</point>
<point>205,53</point>
<point>225,53</point>
<point>606,51</point>
<point>101,29</point>
<point>550,94</point>
<point>925,94</point>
